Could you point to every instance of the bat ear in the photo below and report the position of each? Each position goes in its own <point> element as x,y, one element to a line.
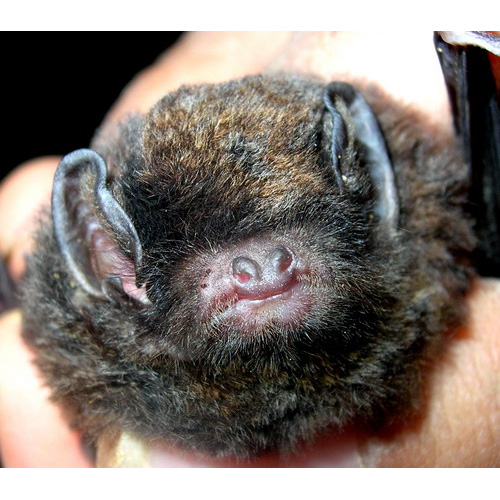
<point>96,237</point>
<point>375,153</point>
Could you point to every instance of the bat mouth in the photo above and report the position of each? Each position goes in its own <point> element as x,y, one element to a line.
<point>286,309</point>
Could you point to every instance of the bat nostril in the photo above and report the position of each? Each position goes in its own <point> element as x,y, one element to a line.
<point>280,259</point>
<point>246,270</point>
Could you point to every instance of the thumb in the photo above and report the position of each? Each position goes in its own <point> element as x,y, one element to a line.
<point>459,425</point>
<point>32,430</point>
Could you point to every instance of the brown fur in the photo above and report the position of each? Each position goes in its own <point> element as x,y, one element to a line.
<point>214,166</point>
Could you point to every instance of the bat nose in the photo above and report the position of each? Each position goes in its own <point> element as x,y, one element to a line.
<point>263,274</point>
<point>254,283</point>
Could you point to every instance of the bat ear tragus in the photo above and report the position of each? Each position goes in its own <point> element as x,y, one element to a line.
<point>375,153</point>
<point>90,225</point>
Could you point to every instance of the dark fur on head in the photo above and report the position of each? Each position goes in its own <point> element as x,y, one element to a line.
<point>213,166</point>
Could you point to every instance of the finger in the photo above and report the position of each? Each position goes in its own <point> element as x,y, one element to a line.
<point>22,195</point>
<point>459,424</point>
<point>32,430</point>
<point>200,57</point>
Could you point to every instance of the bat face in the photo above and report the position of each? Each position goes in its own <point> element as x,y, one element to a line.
<point>248,264</point>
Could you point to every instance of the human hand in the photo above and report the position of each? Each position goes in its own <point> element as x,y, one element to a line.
<point>459,424</point>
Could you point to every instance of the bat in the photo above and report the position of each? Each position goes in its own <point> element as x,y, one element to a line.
<point>249,264</point>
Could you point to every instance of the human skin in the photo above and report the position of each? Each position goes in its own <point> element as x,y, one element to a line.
<point>459,423</point>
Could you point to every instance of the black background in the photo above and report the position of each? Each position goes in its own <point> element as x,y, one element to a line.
<point>57,87</point>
